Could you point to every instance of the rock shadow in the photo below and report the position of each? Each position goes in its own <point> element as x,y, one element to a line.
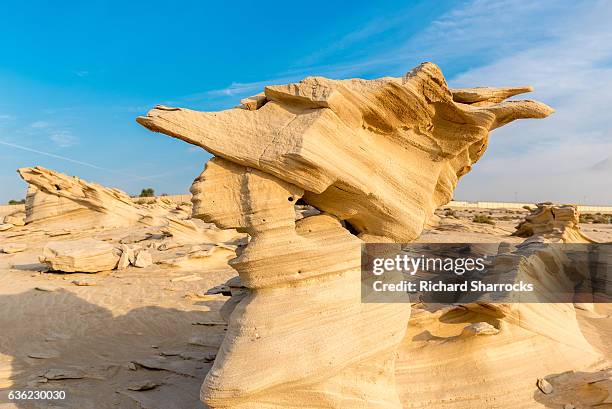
<point>57,340</point>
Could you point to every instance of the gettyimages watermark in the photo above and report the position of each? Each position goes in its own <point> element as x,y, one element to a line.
<point>451,273</point>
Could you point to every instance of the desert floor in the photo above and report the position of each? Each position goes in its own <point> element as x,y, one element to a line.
<point>105,337</point>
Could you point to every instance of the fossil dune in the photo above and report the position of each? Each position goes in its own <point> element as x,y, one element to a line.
<point>376,158</point>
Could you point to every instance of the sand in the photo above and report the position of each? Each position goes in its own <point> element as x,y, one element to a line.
<point>145,338</point>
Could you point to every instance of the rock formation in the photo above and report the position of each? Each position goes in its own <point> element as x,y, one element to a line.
<point>85,255</point>
<point>376,157</point>
<point>196,231</point>
<point>379,154</point>
<point>549,222</point>
<point>490,353</point>
<point>55,199</point>
<point>16,218</point>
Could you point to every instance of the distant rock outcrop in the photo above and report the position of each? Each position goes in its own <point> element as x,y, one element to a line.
<point>468,354</point>
<point>16,218</point>
<point>550,222</point>
<point>55,199</point>
<point>376,157</point>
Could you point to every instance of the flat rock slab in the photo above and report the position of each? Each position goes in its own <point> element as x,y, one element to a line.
<point>47,354</point>
<point>83,283</point>
<point>85,255</point>
<point>56,374</point>
<point>144,385</point>
<point>11,248</point>
<point>179,366</point>
<point>45,288</point>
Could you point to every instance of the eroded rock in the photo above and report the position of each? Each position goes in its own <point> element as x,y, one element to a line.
<point>55,200</point>
<point>84,255</point>
<point>377,157</point>
<point>11,248</point>
<point>143,259</point>
<point>550,222</point>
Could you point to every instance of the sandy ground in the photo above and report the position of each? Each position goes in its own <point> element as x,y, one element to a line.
<point>153,327</point>
<point>126,327</point>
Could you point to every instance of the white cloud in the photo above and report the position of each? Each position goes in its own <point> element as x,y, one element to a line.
<point>553,159</point>
<point>63,138</point>
<point>40,125</point>
<point>563,49</point>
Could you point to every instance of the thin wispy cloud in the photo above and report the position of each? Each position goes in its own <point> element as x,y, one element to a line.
<point>363,33</point>
<point>564,50</point>
<point>87,164</point>
<point>553,159</point>
<point>233,91</point>
<point>471,32</point>
<point>63,138</point>
<point>53,155</point>
<point>561,48</point>
<point>41,124</point>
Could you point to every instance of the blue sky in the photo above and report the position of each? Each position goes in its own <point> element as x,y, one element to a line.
<point>74,75</point>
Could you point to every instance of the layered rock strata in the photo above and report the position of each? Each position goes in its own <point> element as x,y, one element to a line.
<point>490,353</point>
<point>84,255</point>
<point>58,200</point>
<point>552,222</point>
<point>376,157</point>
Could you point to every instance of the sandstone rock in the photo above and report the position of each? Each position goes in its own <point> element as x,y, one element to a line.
<point>144,385</point>
<point>552,222</point>
<point>11,248</point>
<point>538,334</point>
<point>127,257</point>
<point>480,328</point>
<point>85,255</point>
<point>545,386</point>
<point>214,255</point>
<point>136,237</point>
<point>180,366</point>
<point>6,226</point>
<point>143,259</point>
<point>376,157</point>
<point>16,219</point>
<point>45,288</point>
<point>60,232</point>
<point>46,354</point>
<point>83,283</point>
<point>64,373</point>
<point>55,200</point>
<point>253,103</point>
<point>325,137</point>
<point>124,261</point>
<point>197,232</point>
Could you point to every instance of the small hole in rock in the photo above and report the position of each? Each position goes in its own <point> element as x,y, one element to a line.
<point>290,198</point>
<point>350,228</point>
